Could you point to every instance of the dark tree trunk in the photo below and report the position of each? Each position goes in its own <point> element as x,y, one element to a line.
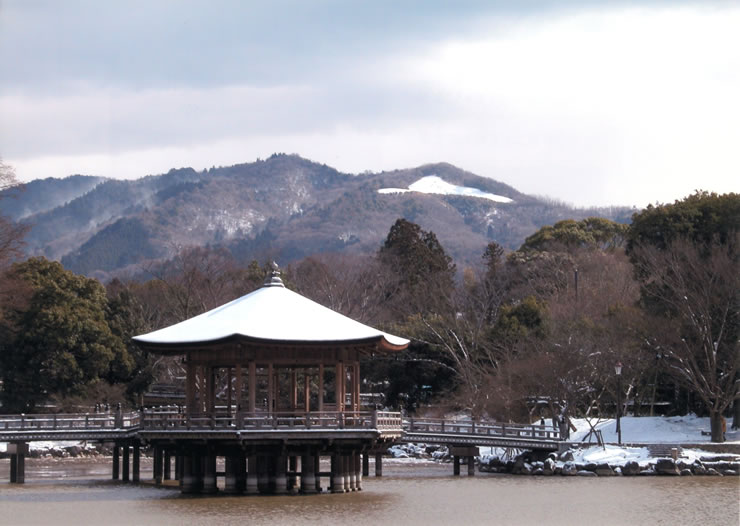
<point>736,414</point>
<point>717,423</point>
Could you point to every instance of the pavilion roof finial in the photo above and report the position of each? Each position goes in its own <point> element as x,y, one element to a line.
<point>273,277</point>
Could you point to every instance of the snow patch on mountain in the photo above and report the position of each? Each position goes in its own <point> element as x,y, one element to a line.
<point>432,184</point>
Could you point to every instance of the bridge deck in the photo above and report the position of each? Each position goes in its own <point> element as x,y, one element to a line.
<point>174,424</point>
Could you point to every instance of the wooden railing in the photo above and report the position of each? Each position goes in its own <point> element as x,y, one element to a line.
<point>75,422</point>
<point>467,427</point>
<point>176,418</point>
<point>172,418</point>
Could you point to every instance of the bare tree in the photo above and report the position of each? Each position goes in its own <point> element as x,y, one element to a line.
<point>11,233</point>
<point>695,289</point>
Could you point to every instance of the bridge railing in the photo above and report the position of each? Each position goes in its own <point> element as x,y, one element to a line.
<point>177,419</point>
<point>493,429</point>
<point>69,421</point>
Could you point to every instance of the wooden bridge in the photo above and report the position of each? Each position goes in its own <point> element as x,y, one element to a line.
<point>171,431</point>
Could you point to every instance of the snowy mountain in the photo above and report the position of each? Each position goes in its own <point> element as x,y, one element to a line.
<point>284,208</point>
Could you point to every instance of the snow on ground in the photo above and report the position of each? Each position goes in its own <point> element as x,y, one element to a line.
<point>635,431</point>
<point>651,430</point>
<point>432,184</point>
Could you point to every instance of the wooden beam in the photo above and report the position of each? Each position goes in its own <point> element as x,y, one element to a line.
<point>251,405</point>
<point>239,380</point>
<point>321,387</point>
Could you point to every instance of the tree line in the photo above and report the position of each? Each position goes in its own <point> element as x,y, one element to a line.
<point>542,326</point>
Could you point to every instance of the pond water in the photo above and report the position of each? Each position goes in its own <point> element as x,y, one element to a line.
<point>76,491</point>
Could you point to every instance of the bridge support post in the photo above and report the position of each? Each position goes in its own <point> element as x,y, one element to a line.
<point>308,475</point>
<point>17,452</point>
<point>157,465</point>
<point>209,472</point>
<point>347,474</point>
<point>471,466</point>
<point>358,472</point>
<point>378,464</point>
<point>292,472</point>
<point>167,465</point>
<point>317,471</point>
<point>252,483</point>
<point>337,473</point>
<point>281,480</point>
<point>187,481</point>
<point>263,479</point>
<point>136,475</point>
<point>366,464</point>
<point>241,471</point>
<point>178,466</point>
<point>125,470</point>
<point>230,485</point>
<point>456,466</point>
<point>116,462</point>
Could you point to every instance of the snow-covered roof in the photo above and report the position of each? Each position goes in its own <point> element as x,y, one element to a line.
<point>272,314</point>
<point>432,184</point>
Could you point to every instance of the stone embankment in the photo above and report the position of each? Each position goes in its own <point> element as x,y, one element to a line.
<point>69,451</point>
<point>565,465</point>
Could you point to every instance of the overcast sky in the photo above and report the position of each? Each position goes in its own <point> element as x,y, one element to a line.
<point>591,103</point>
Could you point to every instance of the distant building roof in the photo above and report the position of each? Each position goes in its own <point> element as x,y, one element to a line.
<point>271,314</point>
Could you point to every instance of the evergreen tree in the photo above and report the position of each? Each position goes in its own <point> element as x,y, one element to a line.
<point>60,341</point>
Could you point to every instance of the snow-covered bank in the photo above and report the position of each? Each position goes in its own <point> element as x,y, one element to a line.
<point>613,460</point>
<point>688,429</point>
<point>63,449</point>
<point>660,433</point>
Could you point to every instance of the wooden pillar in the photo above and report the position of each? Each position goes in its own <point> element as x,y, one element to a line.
<point>239,387</point>
<point>136,470</point>
<point>347,474</point>
<point>292,469</point>
<point>157,465</point>
<point>241,471</point>
<point>293,390</point>
<point>252,387</point>
<point>230,476</point>
<point>263,477</point>
<point>188,481</point>
<point>178,466</point>
<point>167,459</point>
<point>209,472</point>
<point>190,387</point>
<point>358,471</point>
<point>352,471</point>
<point>17,452</point>
<point>456,465</point>
<point>340,377</point>
<point>252,481</point>
<point>471,466</point>
<point>337,474</point>
<point>357,384</point>
<point>229,396</point>
<point>281,481</point>
<point>321,387</point>
<point>306,390</point>
<point>116,461</point>
<point>366,464</point>
<point>270,389</point>
<point>308,480</point>
<point>125,470</point>
<point>378,464</point>
<point>211,390</point>
<point>317,471</point>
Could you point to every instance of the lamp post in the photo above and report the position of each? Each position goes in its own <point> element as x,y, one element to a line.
<point>618,370</point>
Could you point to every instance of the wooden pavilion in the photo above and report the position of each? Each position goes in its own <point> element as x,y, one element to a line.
<point>271,377</point>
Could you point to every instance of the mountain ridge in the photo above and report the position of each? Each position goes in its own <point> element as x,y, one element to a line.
<point>285,206</point>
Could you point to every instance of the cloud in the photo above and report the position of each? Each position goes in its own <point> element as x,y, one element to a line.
<point>621,106</point>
